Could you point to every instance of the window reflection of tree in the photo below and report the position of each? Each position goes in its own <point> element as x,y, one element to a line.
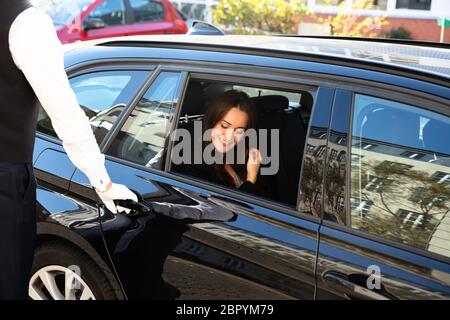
<point>407,201</point>
<point>335,189</point>
<point>311,190</point>
<point>312,172</point>
<point>335,182</point>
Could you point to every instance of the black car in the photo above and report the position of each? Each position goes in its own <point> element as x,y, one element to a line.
<point>360,201</point>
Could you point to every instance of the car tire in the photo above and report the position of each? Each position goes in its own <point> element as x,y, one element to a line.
<point>61,271</point>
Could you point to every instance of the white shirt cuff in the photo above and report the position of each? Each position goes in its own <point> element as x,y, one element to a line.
<point>99,179</point>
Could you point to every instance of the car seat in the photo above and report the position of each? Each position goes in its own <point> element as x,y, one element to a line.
<point>274,113</point>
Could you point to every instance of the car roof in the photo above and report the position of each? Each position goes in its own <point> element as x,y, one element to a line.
<point>420,57</point>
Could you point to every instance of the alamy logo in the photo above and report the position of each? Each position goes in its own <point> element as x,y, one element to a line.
<point>374,280</point>
<point>199,147</point>
<point>73,277</point>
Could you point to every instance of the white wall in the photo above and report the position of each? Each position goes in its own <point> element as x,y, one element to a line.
<point>438,8</point>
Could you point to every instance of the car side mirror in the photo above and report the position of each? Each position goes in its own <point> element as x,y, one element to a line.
<point>93,23</point>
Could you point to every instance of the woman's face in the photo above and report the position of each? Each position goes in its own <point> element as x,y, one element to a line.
<point>229,130</point>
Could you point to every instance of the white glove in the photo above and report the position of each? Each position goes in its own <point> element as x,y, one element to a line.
<point>117,192</point>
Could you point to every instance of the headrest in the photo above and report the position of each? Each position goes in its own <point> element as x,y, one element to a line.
<point>270,103</point>
<point>392,125</point>
<point>436,135</point>
<point>306,101</point>
<point>214,90</point>
<point>194,101</point>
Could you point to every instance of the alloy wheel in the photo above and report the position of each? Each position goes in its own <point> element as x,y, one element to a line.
<point>58,283</point>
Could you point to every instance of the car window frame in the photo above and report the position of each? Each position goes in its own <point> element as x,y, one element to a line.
<point>136,99</point>
<point>224,70</point>
<point>243,81</point>
<point>259,80</point>
<point>414,98</point>
<point>93,67</point>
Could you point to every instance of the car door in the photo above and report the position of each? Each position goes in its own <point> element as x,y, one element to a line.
<point>201,240</point>
<point>385,233</point>
<point>134,246</point>
<point>63,218</point>
<point>109,18</point>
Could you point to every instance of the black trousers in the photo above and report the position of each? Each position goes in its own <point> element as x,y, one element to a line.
<point>17,228</point>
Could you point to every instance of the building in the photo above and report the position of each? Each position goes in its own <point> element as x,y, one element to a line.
<point>419,17</point>
<point>196,9</point>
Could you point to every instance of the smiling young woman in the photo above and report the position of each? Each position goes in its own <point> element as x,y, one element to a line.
<point>225,125</point>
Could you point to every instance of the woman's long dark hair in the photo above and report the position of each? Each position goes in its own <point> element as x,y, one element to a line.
<point>216,112</point>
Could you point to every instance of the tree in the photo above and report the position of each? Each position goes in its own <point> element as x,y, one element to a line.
<point>259,16</point>
<point>351,23</point>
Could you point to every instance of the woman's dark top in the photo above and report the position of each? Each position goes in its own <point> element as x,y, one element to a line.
<point>207,172</point>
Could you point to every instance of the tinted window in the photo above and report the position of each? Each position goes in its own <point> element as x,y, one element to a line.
<point>142,138</point>
<point>147,10</point>
<point>112,12</point>
<point>414,4</point>
<point>102,96</point>
<point>400,173</point>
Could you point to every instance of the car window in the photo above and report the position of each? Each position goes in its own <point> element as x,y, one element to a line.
<point>112,12</point>
<point>271,120</point>
<point>147,10</point>
<point>400,173</point>
<point>102,96</point>
<point>142,138</point>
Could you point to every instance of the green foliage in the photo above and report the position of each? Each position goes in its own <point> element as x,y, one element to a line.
<point>350,23</point>
<point>259,16</point>
<point>399,33</point>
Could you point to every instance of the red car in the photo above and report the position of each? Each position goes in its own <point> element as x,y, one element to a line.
<point>78,20</point>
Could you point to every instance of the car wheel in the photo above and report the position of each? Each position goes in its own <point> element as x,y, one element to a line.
<point>63,272</point>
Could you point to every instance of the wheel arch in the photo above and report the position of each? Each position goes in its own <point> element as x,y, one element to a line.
<point>50,232</point>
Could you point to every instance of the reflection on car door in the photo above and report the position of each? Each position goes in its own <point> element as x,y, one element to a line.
<point>390,239</point>
<point>263,254</point>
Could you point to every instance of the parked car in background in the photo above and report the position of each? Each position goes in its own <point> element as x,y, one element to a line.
<point>359,207</point>
<point>79,20</point>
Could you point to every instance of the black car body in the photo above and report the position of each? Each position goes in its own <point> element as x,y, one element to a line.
<point>338,227</point>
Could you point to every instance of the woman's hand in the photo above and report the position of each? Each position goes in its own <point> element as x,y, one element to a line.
<point>253,164</point>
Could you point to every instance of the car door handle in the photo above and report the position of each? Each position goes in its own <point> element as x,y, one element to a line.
<point>342,283</point>
<point>139,207</point>
<point>136,207</point>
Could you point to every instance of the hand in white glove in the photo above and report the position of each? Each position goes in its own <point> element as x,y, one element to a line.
<point>116,192</point>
